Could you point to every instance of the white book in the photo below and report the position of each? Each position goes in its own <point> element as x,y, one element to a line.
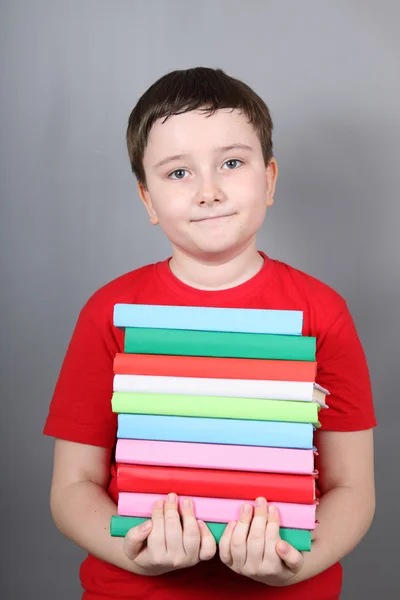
<point>236,388</point>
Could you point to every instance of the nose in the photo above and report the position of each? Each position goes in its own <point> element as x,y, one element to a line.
<point>209,191</point>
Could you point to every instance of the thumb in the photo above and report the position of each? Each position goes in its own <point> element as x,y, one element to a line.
<point>290,556</point>
<point>135,538</point>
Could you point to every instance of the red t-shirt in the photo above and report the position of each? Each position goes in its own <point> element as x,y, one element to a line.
<point>80,409</point>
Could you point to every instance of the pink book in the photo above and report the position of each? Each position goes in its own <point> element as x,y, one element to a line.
<point>218,510</point>
<point>215,456</point>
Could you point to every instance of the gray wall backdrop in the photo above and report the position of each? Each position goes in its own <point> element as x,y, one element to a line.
<point>71,219</point>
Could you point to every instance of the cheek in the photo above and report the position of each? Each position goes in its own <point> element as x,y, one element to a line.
<point>250,193</point>
<point>171,205</point>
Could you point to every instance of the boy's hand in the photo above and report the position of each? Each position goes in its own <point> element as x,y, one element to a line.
<point>253,547</point>
<point>170,544</point>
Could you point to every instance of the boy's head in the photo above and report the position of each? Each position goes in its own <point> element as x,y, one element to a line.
<point>200,145</point>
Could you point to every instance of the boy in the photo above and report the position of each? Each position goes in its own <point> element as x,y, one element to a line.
<point>200,145</point>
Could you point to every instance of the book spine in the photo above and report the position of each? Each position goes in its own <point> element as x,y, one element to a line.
<point>280,322</point>
<point>205,366</point>
<point>256,409</point>
<point>215,456</point>
<point>209,343</point>
<point>217,483</point>
<point>215,431</point>
<point>298,538</point>
<point>296,516</point>
<point>202,386</point>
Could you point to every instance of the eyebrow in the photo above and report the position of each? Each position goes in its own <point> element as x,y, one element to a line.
<point>217,150</point>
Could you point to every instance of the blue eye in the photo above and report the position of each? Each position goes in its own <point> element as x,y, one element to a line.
<point>233,160</point>
<point>177,171</point>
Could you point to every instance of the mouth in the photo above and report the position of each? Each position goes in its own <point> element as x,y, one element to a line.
<point>213,218</point>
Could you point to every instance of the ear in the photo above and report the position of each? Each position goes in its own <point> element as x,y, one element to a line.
<point>148,204</point>
<point>271,176</point>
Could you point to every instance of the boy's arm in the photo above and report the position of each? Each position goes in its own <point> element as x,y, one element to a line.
<point>347,504</point>
<point>80,505</point>
<point>252,546</point>
<point>82,510</point>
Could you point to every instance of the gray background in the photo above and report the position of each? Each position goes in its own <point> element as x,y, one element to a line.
<point>71,219</point>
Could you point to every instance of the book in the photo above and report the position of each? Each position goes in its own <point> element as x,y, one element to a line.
<point>275,487</point>
<point>306,391</point>
<point>219,510</point>
<point>221,407</point>
<point>206,366</point>
<point>215,456</point>
<point>200,396</point>
<point>298,538</point>
<point>219,344</point>
<point>286,322</point>
<point>215,431</point>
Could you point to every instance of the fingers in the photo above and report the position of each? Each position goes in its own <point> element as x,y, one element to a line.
<point>239,537</point>
<point>173,527</point>
<point>272,533</point>
<point>191,532</point>
<point>135,538</point>
<point>198,541</point>
<point>208,545</point>
<point>224,546</point>
<point>172,544</point>
<point>256,537</point>
<point>156,542</point>
<point>291,557</point>
<point>253,546</point>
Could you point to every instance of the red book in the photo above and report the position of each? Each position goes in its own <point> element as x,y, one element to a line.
<point>215,483</point>
<point>211,367</point>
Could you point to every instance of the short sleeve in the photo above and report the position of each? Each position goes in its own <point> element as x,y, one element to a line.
<point>80,409</point>
<point>342,369</point>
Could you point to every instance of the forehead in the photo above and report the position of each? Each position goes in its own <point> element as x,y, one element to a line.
<point>196,129</point>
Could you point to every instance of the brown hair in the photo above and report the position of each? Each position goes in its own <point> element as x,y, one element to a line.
<point>200,88</point>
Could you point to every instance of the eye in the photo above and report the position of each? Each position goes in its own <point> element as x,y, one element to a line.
<point>233,161</point>
<point>177,172</point>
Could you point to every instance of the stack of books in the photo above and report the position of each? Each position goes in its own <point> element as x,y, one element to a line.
<point>220,405</point>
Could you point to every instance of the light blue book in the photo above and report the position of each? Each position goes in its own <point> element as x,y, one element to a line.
<point>216,431</point>
<point>240,320</point>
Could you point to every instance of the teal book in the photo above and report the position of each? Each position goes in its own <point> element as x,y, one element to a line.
<point>143,340</point>
<point>298,538</point>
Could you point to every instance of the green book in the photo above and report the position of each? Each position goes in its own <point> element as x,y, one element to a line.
<point>181,342</point>
<point>298,538</point>
<point>221,407</point>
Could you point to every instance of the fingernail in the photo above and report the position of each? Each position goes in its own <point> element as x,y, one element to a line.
<point>172,498</point>
<point>186,503</point>
<point>272,511</point>
<point>231,524</point>
<point>145,526</point>
<point>160,503</point>
<point>247,509</point>
<point>283,547</point>
<point>260,501</point>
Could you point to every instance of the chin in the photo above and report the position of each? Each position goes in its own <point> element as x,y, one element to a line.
<point>214,247</point>
<point>217,250</point>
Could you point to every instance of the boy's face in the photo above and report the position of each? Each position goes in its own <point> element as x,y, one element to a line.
<point>209,200</point>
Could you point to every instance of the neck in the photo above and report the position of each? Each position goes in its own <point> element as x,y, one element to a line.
<point>219,274</point>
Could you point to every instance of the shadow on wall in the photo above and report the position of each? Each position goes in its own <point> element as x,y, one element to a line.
<point>337,177</point>
<point>328,197</point>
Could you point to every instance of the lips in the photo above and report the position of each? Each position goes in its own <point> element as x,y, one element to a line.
<point>212,218</point>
